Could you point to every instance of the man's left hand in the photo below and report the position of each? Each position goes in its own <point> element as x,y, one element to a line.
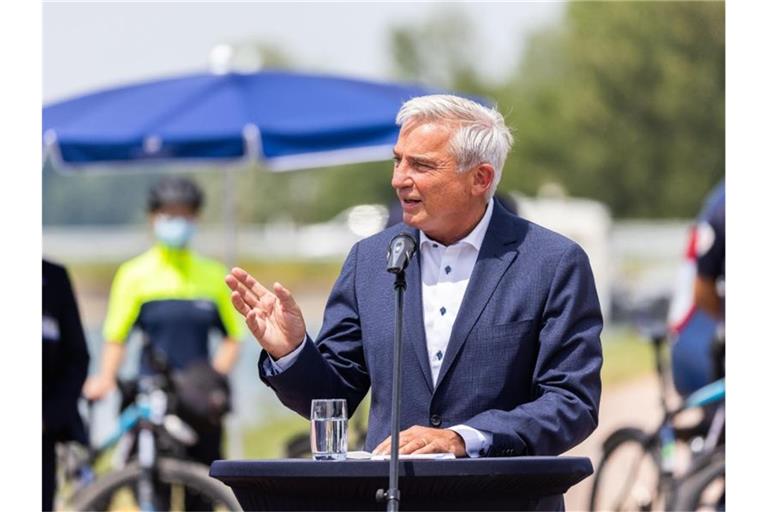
<point>425,440</point>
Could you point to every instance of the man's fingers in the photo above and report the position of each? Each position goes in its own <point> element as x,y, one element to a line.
<point>255,322</point>
<point>415,445</point>
<point>286,299</point>
<point>408,444</point>
<point>428,447</point>
<point>239,303</point>
<point>249,282</point>
<point>407,447</point>
<point>248,296</point>
<point>383,447</point>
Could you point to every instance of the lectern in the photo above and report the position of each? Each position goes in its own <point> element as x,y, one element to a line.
<point>511,483</point>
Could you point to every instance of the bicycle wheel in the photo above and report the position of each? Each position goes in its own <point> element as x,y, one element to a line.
<point>298,447</point>
<point>704,489</point>
<point>628,475</point>
<point>183,480</point>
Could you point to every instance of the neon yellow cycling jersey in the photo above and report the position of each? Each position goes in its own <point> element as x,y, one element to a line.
<point>176,297</point>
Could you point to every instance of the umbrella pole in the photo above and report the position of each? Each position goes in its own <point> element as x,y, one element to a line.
<point>235,447</point>
<point>230,215</point>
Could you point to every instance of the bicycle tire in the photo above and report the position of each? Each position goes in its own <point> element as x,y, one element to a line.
<point>694,492</point>
<point>634,493</point>
<point>192,476</point>
<point>298,447</point>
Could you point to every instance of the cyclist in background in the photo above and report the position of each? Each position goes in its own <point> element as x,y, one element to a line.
<point>709,287</point>
<point>697,313</point>
<point>176,298</point>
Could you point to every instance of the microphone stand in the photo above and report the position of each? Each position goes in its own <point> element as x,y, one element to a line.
<point>393,494</point>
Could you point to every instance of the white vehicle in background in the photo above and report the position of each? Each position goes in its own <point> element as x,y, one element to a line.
<point>338,235</point>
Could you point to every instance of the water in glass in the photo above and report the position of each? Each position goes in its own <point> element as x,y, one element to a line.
<point>329,439</point>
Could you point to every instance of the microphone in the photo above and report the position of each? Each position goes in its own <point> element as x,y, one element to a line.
<point>399,253</point>
<point>401,250</point>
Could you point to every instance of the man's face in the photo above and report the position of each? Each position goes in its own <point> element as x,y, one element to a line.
<point>435,198</point>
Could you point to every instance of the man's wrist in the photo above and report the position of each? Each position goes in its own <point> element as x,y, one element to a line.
<point>284,362</point>
<point>476,442</point>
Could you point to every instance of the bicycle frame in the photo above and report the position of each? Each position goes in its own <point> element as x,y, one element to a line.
<point>127,421</point>
<point>661,442</point>
<point>140,424</point>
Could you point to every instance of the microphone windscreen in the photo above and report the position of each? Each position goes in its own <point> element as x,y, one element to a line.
<point>400,251</point>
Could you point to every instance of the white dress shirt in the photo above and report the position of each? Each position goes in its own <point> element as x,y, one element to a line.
<point>445,273</point>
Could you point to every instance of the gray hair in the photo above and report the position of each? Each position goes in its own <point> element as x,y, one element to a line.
<point>482,135</point>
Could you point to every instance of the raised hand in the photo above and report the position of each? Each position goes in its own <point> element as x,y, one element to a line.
<point>274,318</point>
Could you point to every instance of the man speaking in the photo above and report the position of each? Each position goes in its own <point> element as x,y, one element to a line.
<point>501,352</point>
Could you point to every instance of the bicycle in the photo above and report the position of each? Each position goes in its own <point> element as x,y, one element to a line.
<point>149,444</point>
<point>704,489</point>
<point>637,469</point>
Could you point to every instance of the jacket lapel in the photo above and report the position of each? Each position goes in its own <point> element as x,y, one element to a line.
<point>496,255</point>
<point>413,314</point>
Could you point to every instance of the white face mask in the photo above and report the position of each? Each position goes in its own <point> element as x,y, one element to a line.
<point>173,231</point>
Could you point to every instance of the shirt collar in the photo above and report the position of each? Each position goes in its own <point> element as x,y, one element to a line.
<point>474,238</point>
<point>172,254</point>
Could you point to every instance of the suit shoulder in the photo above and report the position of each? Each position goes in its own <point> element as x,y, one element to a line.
<point>546,239</point>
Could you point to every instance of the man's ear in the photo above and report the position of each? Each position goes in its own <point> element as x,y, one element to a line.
<point>482,178</point>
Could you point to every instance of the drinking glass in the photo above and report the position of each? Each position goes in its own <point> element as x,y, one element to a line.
<point>329,429</point>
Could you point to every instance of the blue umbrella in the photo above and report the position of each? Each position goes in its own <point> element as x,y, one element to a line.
<point>284,120</point>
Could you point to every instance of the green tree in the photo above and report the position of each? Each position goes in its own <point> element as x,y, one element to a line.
<point>440,53</point>
<point>625,103</point>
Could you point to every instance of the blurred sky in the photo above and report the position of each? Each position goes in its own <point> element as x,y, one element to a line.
<point>92,45</point>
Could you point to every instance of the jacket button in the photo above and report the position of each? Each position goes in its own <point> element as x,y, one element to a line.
<point>435,420</point>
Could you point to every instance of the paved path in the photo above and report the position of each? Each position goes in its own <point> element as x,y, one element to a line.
<point>634,403</point>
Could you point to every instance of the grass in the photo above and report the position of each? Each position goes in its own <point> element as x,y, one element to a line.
<point>626,356</point>
<point>294,274</point>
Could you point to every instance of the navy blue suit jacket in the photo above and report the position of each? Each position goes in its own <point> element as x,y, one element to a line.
<point>523,361</point>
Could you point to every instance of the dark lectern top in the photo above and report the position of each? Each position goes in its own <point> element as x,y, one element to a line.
<point>513,483</point>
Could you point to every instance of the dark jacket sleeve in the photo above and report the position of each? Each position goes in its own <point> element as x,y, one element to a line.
<point>334,367</point>
<point>566,377</point>
<point>60,405</point>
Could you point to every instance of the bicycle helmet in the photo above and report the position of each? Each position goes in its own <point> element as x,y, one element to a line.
<point>175,190</point>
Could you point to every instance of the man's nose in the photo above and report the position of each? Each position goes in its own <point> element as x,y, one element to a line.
<point>400,177</point>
